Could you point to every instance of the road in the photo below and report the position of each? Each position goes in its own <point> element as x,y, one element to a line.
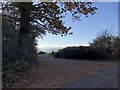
<point>106,79</point>
<point>68,73</point>
<point>103,79</point>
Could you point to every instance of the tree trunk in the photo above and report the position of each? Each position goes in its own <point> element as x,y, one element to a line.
<point>23,40</point>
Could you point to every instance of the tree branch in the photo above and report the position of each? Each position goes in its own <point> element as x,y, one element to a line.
<point>11,17</point>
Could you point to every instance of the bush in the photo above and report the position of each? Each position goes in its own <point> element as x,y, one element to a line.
<point>82,52</point>
<point>41,52</point>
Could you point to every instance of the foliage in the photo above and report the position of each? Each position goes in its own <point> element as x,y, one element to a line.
<point>47,16</point>
<point>82,52</point>
<point>116,48</point>
<point>10,63</point>
<point>104,43</point>
<point>41,52</point>
<point>108,44</point>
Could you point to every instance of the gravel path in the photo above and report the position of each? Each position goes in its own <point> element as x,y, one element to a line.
<point>55,73</point>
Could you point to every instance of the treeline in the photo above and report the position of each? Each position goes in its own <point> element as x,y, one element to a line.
<point>81,52</point>
<point>41,52</point>
<point>105,46</point>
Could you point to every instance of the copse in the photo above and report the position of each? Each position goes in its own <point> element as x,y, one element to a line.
<point>104,47</point>
<point>103,42</point>
<point>108,45</point>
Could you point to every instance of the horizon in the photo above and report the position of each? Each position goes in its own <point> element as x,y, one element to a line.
<point>55,49</point>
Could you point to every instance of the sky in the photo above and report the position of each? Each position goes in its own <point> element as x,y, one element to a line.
<point>106,18</point>
<point>119,19</point>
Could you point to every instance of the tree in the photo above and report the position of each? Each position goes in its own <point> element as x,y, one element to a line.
<point>12,64</point>
<point>116,47</point>
<point>37,19</point>
<point>104,43</point>
<point>8,41</point>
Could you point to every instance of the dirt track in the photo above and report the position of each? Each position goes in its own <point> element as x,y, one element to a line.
<point>55,73</point>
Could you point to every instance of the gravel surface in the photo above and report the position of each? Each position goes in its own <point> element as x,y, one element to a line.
<point>54,73</point>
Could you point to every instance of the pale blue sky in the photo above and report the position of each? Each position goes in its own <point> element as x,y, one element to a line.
<point>86,30</point>
<point>119,19</point>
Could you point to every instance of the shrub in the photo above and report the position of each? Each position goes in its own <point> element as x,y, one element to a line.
<point>82,52</point>
<point>41,52</point>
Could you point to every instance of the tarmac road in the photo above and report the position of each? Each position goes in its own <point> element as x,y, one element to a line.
<point>103,79</point>
<point>106,79</point>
